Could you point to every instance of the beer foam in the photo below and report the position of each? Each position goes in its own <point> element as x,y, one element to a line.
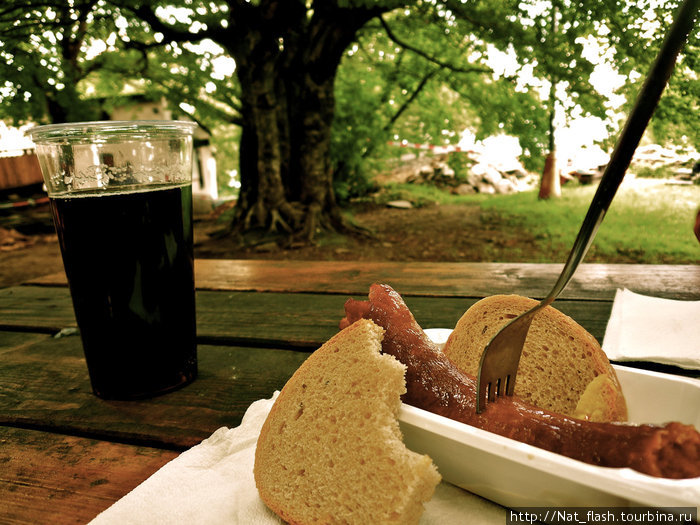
<point>101,176</point>
<point>127,189</point>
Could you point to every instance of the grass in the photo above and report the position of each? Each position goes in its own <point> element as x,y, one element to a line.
<point>649,221</point>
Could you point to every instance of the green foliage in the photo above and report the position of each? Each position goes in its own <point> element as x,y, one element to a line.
<point>420,73</point>
<point>677,118</point>
<point>224,140</point>
<point>357,125</point>
<point>78,61</point>
<point>659,172</point>
<point>426,82</point>
<point>39,62</point>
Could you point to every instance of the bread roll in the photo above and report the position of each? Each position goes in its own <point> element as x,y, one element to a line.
<point>331,450</point>
<point>562,367</point>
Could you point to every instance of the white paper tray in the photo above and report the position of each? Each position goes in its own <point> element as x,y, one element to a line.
<point>514,474</point>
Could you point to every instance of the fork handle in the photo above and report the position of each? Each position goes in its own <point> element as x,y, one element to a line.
<point>644,107</point>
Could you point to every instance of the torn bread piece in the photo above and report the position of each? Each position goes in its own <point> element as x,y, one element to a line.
<point>562,368</point>
<point>331,450</point>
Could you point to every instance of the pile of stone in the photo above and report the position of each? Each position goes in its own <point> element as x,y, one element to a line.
<point>682,164</point>
<point>481,177</point>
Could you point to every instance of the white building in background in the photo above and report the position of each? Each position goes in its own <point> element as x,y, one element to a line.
<point>204,183</point>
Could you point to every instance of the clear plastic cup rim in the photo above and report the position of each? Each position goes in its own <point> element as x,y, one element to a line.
<point>110,131</point>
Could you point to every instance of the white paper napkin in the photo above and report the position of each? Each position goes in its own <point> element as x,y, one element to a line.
<point>212,483</point>
<point>643,328</point>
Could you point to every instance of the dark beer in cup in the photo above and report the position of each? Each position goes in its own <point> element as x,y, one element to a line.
<point>125,231</point>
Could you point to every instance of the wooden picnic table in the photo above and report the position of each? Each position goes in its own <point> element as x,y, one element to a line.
<point>66,455</point>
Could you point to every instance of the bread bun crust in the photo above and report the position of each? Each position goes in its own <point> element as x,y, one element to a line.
<point>560,359</point>
<point>331,450</point>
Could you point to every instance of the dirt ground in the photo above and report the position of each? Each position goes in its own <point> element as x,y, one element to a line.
<point>28,246</point>
<point>433,233</point>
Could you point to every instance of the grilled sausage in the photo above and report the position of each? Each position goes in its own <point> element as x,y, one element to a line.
<point>433,383</point>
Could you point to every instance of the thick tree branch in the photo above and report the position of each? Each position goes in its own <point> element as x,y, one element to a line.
<point>424,81</point>
<point>406,104</point>
<point>457,69</point>
<point>171,33</point>
<point>332,29</point>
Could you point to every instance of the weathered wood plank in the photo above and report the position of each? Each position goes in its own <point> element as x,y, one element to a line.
<point>45,386</point>
<point>17,340</point>
<point>45,382</point>
<point>277,319</point>
<point>59,479</point>
<point>591,281</point>
<point>33,308</point>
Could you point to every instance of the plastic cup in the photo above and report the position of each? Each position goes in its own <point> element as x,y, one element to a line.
<point>121,198</point>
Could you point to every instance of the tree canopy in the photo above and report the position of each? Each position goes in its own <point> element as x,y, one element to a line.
<point>317,87</point>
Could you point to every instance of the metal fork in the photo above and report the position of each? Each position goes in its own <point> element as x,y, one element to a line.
<point>499,362</point>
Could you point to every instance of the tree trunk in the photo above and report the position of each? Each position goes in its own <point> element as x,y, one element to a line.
<point>262,201</point>
<point>313,150</point>
<point>550,184</point>
<point>287,79</point>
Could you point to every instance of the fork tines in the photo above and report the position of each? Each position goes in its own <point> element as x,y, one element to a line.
<point>488,390</point>
<point>499,362</point>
